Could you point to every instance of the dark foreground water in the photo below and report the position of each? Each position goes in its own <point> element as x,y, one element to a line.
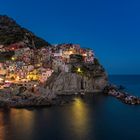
<point>91,118</point>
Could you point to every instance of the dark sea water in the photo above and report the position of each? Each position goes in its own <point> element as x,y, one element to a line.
<point>95,117</point>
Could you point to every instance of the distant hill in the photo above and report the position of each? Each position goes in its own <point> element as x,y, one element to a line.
<point>11,32</point>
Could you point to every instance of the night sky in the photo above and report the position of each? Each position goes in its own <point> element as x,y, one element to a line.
<point>110,27</point>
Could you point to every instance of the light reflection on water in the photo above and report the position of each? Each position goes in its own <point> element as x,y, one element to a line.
<point>77,120</point>
<point>95,117</point>
<point>1,127</point>
<point>22,117</point>
<point>15,121</point>
<point>80,115</point>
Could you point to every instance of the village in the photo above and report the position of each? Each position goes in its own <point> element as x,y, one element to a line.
<point>30,67</point>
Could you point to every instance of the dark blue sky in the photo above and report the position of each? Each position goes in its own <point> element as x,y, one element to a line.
<point>110,27</point>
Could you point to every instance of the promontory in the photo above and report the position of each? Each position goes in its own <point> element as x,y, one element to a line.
<point>34,72</point>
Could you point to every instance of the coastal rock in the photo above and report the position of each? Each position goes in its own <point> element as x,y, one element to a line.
<point>112,90</point>
<point>71,83</point>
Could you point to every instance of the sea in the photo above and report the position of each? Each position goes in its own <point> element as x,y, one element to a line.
<point>93,117</point>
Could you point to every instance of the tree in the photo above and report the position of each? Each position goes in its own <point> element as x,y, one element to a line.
<point>96,62</point>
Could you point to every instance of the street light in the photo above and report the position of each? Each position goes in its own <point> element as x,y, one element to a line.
<point>79,70</point>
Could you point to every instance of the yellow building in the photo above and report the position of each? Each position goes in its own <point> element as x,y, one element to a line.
<point>33,75</point>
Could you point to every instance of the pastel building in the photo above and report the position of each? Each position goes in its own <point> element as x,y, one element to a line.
<point>45,74</point>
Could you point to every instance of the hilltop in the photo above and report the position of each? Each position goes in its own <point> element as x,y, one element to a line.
<point>11,32</point>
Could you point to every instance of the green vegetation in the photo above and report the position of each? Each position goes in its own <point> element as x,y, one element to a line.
<point>88,70</point>
<point>96,62</point>
<point>6,56</point>
<point>11,32</point>
<point>76,58</point>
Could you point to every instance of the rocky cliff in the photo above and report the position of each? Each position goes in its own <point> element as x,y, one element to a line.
<point>91,80</point>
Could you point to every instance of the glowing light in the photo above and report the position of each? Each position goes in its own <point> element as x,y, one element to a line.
<point>17,78</point>
<point>35,85</point>
<point>71,52</point>
<point>6,81</point>
<point>78,70</point>
<point>13,58</point>
<point>1,79</point>
<point>85,54</point>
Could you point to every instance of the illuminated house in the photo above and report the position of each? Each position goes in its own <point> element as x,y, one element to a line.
<point>45,74</point>
<point>1,80</point>
<point>19,63</point>
<point>33,76</point>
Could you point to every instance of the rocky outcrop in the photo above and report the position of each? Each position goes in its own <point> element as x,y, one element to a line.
<point>45,97</point>
<point>16,98</point>
<point>71,83</point>
<point>121,95</point>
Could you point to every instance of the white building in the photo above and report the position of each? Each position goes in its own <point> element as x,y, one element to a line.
<point>45,74</point>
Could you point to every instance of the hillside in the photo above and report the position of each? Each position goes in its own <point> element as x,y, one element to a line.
<point>11,32</point>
